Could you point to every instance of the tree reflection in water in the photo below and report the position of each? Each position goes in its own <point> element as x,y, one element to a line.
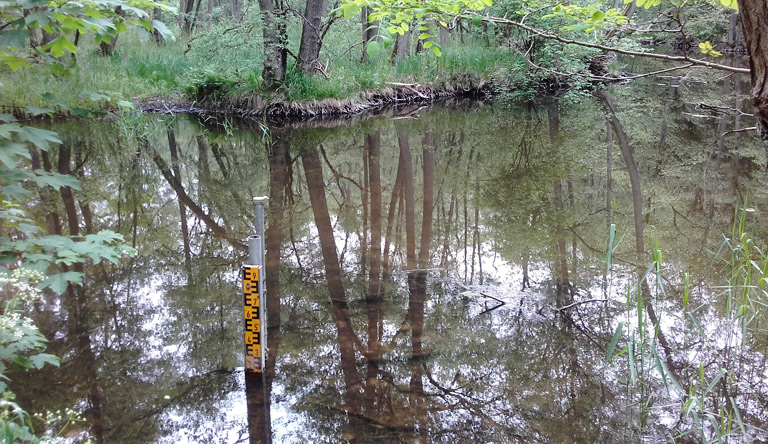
<point>384,239</point>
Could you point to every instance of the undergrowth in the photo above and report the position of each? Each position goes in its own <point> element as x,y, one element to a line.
<point>213,66</point>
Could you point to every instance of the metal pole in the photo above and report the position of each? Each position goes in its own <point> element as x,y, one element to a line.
<point>258,204</point>
<point>255,250</point>
<point>254,295</point>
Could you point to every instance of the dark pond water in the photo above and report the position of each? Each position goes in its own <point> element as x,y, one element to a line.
<point>434,275</point>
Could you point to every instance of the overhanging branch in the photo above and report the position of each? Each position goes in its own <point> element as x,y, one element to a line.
<point>551,36</point>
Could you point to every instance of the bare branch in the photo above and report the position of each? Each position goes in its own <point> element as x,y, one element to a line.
<point>551,36</point>
<point>751,128</point>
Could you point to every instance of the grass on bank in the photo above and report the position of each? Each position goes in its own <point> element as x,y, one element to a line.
<point>213,65</point>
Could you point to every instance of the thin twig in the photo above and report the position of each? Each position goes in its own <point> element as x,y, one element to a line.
<point>751,128</point>
<point>579,303</point>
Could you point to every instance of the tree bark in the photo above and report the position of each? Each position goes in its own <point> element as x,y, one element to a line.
<point>311,36</point>
<point>754,22</point>
<point>187,17</point>
<point>402,47</point>
<point>275,39</point>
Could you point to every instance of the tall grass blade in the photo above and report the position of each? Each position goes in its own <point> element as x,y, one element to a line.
<point>715,426</point>
<point>612,345</point>
<point>738,417</point>
<point>714,381</point>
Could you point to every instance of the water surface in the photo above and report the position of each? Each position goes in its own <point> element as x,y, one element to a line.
<point>433,275</point>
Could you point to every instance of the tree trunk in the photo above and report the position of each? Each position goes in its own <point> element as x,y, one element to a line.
<point>174,149</point>
<point>339,307</point>
<point>369,32</point>
<point>402,47</point>
<point>157,14</point>
<point>754,22</point>
<point>187,17</point>
<point>275,39</point>
<point>237,13</point>
<point>311,36</point>
<point>408,192</point>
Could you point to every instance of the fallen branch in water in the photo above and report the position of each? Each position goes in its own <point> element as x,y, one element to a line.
<point>579,303</point>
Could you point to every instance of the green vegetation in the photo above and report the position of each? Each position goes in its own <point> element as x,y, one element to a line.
<point>139,70</point>
<point>222,54</point>
<point>724,326</point>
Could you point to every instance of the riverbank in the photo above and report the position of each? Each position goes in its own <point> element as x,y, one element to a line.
<point>256,107</point>
<point>144,76</point>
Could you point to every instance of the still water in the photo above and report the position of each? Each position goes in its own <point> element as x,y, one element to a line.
<point>433,276</point>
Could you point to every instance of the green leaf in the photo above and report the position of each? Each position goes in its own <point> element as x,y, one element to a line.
<point>146,24</point>
<point>14,62</point>
<point>58,46</point>
<point>477,20</point>
<point>58,282</point>
<point>373,49</point>
<point>94,96</point>
<point>39,18</point>
<point>39,137</point>
<point>36,111</point>
<point>59,70</point>
<point>597,16</point>
<point>349,10</point>
<point>56,180</point>
<point>125,104</point>
<point>163,30</point>
<point>10,152</point>
<point>436,51</point>
<point>39,360</point>
<point>14,38</point>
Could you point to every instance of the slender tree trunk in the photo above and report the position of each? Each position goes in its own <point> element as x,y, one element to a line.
<point>51,216</point>
<point>174,149</point>
<point>339,307</point>
<point>78,308</point>
<point>187,19</point>
<point>157,14</point>
<point>236,8</point>
<point>370,31</point>
<point>408,192</point>
<point>562,280</point>
<point>85,207</point>
<point>182,195</point>
<point>637,205</point>
<point>373,296</point>
<point>391,213</point>
<point>311,37</point>
<point>65,154</point>
<point>402,47</point>
<point>273,28</point>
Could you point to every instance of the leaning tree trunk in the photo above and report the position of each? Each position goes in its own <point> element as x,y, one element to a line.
<point>754,22</point>
<point>311,36</point>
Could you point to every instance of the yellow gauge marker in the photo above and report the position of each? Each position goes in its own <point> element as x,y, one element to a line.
<point>252,319</point>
